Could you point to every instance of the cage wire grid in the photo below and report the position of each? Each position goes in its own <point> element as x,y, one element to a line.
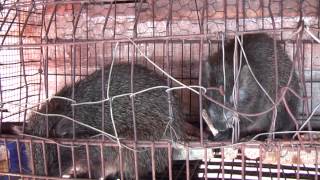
<point>40,54</point>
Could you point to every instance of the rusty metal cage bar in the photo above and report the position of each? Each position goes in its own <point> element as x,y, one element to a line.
<point>78,50</point>
<point>227,163</point>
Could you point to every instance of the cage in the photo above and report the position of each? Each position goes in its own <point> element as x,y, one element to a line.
<point>48,46</point>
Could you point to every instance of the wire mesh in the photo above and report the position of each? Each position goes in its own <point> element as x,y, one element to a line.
<point>47,45</point>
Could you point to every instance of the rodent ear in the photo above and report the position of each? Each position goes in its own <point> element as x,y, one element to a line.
<point>55,104</point>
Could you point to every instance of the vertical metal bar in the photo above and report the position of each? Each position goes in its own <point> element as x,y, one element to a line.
<point>23,65</point>
<point>190,79</point>
<point>133,114</point>
<point>153,17</point>
<point>237,15</point>
<point>87,37</point>
<point>170,160</point>
<point>298,163</point>
<point>222,162</point>
<point>304,88</point>
<point>121,162</point>
<point>75,23</point>
<point>46,87</point>
<point>64,65</point>
<point>46,29</point>
<point>262,12</point>
<point>182,73</point>
<point>232,168</point>
<point>137,15</point>
<point>132,101</point>
<point>200,91</point>
<point>283,171</point>
<point>163,56</point>
<point>270,173</point>
<point>128,53</point>
<point>243,166</point>
<point>88,160</point>
<point>278,151</point>
<point>153,162</point>
<point>260,161</point>
<point>103,87</point>
<point>169,19</point>
<point>44,158</point>
<point>73,80</point>
<point>200,74</point>
<point>120,52</point>
<point>73,71</point>
<point>318,18</point>
<point>74,29</point>
<point>56,68</point>
<point>300,69</point>
<point>19,155</point>
<point>146,53</point>
<point>73,161</point>
<point>244,15</point>
<point>303,49</point>
<point>207,15</point>
<point>205,164</point>
<point>50,22</point>
<point>311,74</point>
<point>95,55</point>
<point>281,16</point>
<point>102,160</point>
<point>115,21</point>
<point>20,81</point>
<point>316,164</point>
<point>275,58</point>
<point>1,105</point>
<point>80,61</point>
<point>31,158</point>
<point>199,21</point>
<point>169,33</point>
<point>7,154</point>
<point>167,59</point>
<point>106,19</point>
<point>55,30</point>
<point>59,159</point>
<point>187,163</point>
<point>205,18</point>
<point>102,84</point>
<point>308,172</point>
<point>134,117</point>
<point>225,15</point>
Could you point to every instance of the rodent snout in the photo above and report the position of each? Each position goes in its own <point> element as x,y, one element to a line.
<point>220,121</point>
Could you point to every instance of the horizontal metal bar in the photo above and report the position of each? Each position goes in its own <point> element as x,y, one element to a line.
<point>159,144</point>
<point>140,39</point>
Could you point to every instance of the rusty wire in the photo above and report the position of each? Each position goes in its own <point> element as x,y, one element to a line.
<point>204,35</point>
